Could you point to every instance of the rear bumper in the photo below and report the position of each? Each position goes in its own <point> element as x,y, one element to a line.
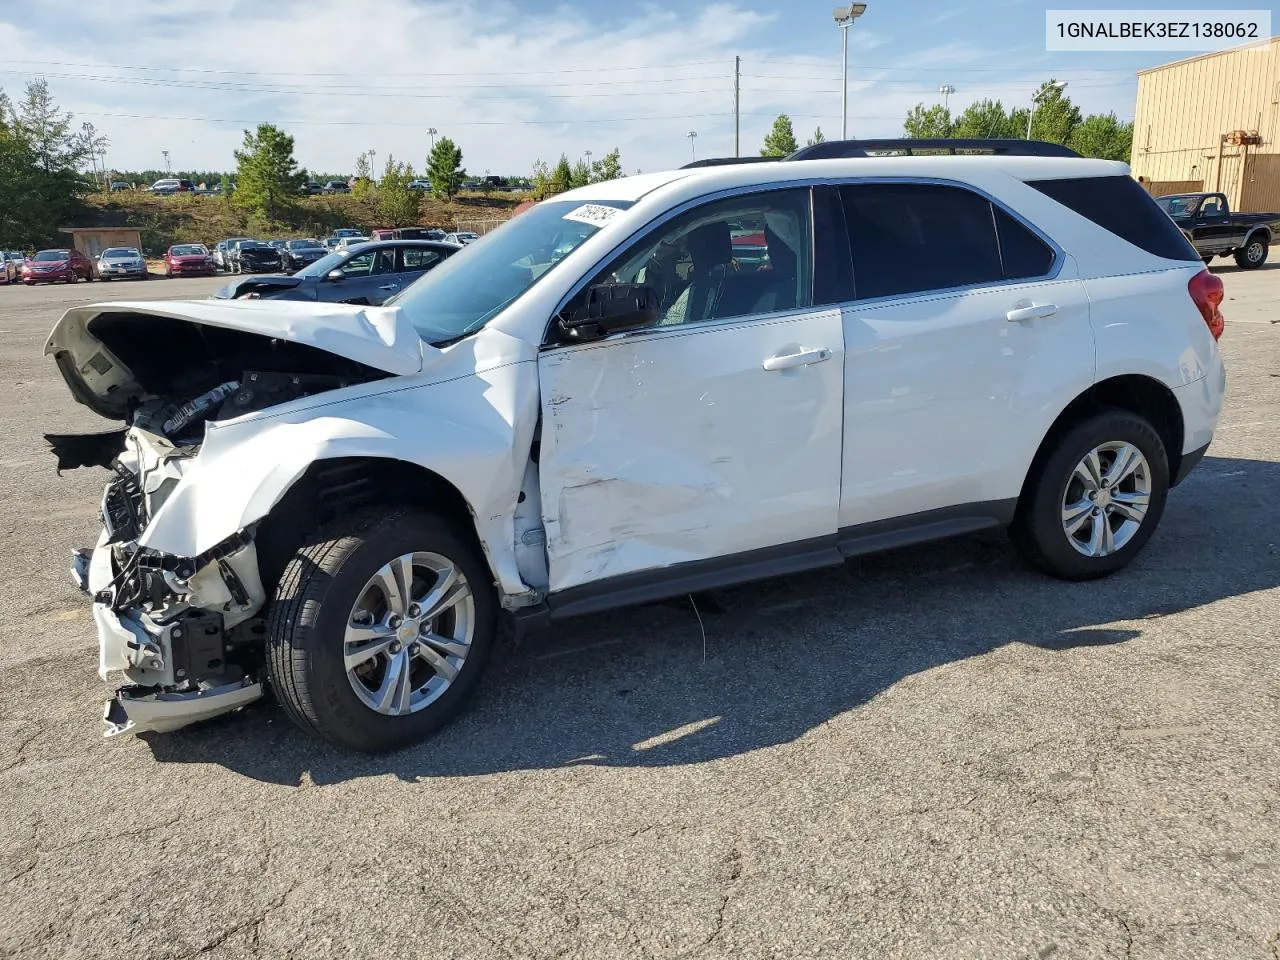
<point>1201,406</point>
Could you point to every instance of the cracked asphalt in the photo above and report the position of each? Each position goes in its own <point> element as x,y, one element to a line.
<point>933,753</point>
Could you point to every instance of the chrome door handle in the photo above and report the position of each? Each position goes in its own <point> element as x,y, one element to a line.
<point>1035,311</point>
<point>801,359</point>
<point>390,286</point>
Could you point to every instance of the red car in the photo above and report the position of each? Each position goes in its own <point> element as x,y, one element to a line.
<point>48,266</point>
<point>188,260</point>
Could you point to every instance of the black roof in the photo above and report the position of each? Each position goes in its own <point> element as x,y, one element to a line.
<point>858,149</point>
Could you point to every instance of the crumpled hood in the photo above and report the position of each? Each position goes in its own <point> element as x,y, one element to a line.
<point>261,281</point>
<point>378,337</point>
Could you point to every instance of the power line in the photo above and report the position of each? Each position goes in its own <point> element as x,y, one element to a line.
<point>726,116</point>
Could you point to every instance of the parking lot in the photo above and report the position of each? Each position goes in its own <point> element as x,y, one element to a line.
<point>929,754</point>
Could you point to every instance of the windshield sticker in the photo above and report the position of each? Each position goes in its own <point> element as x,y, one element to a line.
<point>595,214</point>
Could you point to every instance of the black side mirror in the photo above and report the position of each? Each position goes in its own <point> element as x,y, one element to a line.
<point>611,308</point>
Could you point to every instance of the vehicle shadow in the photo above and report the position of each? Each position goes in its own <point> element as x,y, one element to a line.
<point>1229,266</point>
<point>645,688</point>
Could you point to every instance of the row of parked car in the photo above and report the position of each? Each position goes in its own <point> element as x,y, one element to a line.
<point>68,265</point>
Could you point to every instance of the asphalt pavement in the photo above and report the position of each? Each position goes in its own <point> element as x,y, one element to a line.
<point>932,753</point>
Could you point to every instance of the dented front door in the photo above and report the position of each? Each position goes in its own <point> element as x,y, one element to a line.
<point>679,444</point>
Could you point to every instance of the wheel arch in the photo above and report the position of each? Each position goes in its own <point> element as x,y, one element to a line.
<point>1262,228</point>
<point>1143,395</point>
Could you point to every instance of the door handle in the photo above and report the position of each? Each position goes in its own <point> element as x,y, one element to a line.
<point>390,286</point>
<point>802,359</point>
<point>1035,311</point>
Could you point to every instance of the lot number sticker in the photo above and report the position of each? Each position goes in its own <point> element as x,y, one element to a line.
<point>593,213</point>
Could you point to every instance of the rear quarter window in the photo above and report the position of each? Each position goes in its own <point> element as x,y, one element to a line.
<point>1121,207</point>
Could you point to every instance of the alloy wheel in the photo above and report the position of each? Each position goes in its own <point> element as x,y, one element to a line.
<point>409,633</point>
<point>1106,499</point>
<point>1255,252</point>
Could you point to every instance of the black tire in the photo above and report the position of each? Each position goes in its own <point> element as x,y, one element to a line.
<point>309,615</point>
<point>1252,255</point>
<point>1037,529</point>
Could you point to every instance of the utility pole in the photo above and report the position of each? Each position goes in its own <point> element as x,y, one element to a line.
<point>167,167</point>
<point>693,150</point>
<point>946,90</point>
<point>737,103</point>
<point>431,132</point>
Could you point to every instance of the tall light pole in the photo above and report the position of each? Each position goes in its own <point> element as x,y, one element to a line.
<point>1039,99</point>
<point>946,90</point>
<point>167,167</point>
<point>844,17</point>
<point>693,150</point>
<point>588,153</point>
<point>431,132</point>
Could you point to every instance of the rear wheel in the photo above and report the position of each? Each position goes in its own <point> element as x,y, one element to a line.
<point>1252,255</point>
<point>1095,500</point>
<point>380,629</point>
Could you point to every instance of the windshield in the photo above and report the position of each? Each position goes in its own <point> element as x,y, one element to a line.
<point>253,245</point>
<point>120,252</point>
<point>324,265</point>
<point>466,291</point>
<point>305,245</point>
<point>52,255</point>
<point>1178,206</point>
<point>189,250</point>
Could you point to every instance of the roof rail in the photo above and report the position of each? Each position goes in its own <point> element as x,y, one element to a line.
<point>846,149</point>
<point>728,161</point>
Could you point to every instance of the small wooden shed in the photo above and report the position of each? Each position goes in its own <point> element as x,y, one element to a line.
<point>91,241</point>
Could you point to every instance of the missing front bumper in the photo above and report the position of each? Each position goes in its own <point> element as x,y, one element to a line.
<point>133,711</point>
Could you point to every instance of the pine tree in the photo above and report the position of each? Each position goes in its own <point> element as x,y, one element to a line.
<point>561,176</point>
<point>609,167</point>
<point>444,168</point>
<point>267,175</point>
<point>781,140</point>
<point>397,204</point>
<point>818,137</point>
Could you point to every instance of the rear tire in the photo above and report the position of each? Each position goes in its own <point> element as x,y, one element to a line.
<point>1252,255</point>
<point>324,595</point>
<point>1112,520</point>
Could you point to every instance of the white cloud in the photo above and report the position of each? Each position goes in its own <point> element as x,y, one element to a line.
<point>472,72</point>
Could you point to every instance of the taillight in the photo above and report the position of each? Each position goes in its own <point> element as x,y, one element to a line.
<point>1207,291</point>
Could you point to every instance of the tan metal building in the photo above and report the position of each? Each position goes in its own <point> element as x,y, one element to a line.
<point>1211,123</point>
<point>91,241</point>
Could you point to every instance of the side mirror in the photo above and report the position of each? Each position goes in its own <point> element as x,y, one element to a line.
<point>611,308</point>
<point>335,275</point>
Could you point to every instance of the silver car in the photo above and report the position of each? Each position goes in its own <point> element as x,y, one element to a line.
<point>10,266</point>
<point>122,263</point>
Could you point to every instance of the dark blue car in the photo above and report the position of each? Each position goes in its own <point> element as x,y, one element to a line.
<point>367,274</point>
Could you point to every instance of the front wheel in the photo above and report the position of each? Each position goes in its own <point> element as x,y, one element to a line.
<point>1252,255</point>
<point>380,629</point>
<point>1092,504</point>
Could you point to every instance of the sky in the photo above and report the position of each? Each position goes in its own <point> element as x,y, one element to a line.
<point>515,83</point>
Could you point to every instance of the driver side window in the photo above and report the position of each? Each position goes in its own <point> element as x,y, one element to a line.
<point>730,258</point>
<point>358,266</point>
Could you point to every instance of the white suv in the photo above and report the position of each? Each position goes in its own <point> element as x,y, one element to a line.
<point>642,388</point>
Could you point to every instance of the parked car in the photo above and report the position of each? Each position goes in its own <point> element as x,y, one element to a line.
<point>49,266</point>
<point>462,236</point>
<point>420,185</point>
<point>1207,221</point>
<point>407,233</point>
<point>172,185</point>
<point>302,253</point>
<point>312,189</point>
<point>254,256</point>
<point>222,252</point>
<point>122,263</point>
<point>336,186</point>
<point>10,266</point>
<point>936,345</point>
<point>117,185</point>
<point>188,260</point>
<point>349,243</point>
<point>331,243</point>
<point>342,232</point>
<point>278,244</point>
<point>367,274</point>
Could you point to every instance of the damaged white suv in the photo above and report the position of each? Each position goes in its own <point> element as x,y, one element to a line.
<point>639,389</point>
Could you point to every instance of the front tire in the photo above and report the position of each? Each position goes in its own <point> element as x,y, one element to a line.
<point>380,629</point>
<point>1252,255</point>
<point>1091,505</point>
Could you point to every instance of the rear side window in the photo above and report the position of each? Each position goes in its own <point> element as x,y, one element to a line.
<point>911,237</point>
<point>1023,254</point>
<point>1120,206</point>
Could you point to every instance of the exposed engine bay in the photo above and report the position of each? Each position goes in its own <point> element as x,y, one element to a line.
<point>186,632</point>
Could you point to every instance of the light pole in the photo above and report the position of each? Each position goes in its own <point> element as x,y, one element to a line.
<point>1039,98</point>
<point>431,132</point>
<point>167,167</point>
<point>844,17</point>
<point>946,90</point>
<point>693,150</point>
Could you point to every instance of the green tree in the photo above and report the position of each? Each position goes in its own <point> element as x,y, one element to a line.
<point>365,189</point>
<point>781,140</point>
<point>818,137</point>
<point>984,120</point>
<point>267,175</point>
<point>925,123</point>
<point>1103,136</point>
<point>397,204</point>
<point>1055,115</point>
<point>561,176</point>
<point>608,167</point>
<point>444,168</point>
<point>541,179</point>
<point>580,176</point>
